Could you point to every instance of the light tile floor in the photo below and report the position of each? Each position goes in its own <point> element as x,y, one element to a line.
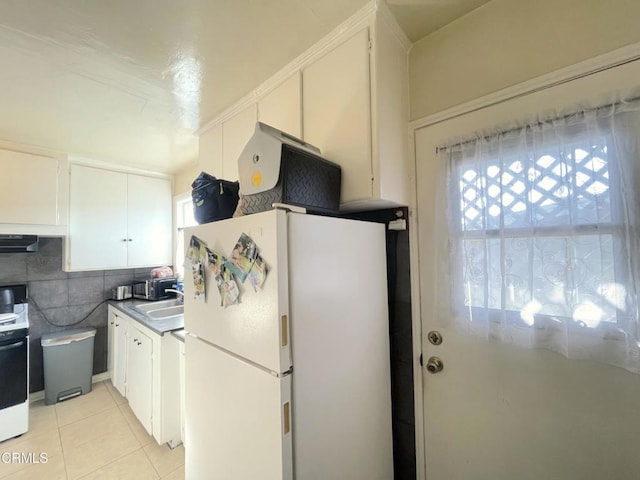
<point>94,436</point>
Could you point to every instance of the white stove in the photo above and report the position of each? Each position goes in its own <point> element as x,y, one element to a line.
<point>16,320</point>
<point>14,366</point>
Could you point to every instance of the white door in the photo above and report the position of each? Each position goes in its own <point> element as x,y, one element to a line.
<point>257,327</point>
<point>336,113</point>
<point>29,186</point>
<point>140,375</point>
<point>148,221</point>
<point>280,108</point>
<point>238,418</point>
<point>97,218</point>
<point>497,411</point>
<point>120,354</point>
<point>236,132</point>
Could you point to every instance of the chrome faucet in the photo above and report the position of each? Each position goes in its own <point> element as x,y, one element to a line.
<point>178,292</point>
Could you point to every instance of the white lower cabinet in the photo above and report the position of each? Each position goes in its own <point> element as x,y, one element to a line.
<point>140,376</point>
<point>117,350</point>
<point>145,368</point>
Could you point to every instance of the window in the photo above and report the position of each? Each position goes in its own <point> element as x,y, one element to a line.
<point>184,218</point>
<point>541,234</point>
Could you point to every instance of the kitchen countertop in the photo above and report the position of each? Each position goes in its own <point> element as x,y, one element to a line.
<point>160,327</point>
<point>179,334</point>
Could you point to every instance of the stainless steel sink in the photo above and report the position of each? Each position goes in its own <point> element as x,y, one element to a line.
<point>148,307</point>
<point>161,310</point>
<point>166,312</point>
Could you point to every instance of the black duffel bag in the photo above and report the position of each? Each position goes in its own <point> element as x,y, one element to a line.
<point>213,198</point>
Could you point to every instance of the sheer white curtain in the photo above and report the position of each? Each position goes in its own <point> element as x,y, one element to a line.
<point>543,234</point>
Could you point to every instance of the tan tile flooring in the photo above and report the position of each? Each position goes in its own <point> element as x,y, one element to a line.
<point>94,436</point>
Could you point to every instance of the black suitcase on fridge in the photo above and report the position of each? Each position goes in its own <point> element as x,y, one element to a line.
<point>213,198</point>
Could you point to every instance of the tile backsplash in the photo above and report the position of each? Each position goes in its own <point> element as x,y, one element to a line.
<point>61,300</point>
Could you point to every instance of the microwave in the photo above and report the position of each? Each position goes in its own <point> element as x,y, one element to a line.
<point>154,289</point>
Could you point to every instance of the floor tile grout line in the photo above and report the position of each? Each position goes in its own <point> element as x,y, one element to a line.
<point>64,458</point>
<point>172,471</point>
<point>93,414</point>
<point>83,418</point>
<point>140,447</point>
<point>151,462</point>
<point>109,463</point>
<point>153,451</point>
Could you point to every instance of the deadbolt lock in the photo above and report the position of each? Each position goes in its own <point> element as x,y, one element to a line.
<point>434,365</point>
<point>435,337</point>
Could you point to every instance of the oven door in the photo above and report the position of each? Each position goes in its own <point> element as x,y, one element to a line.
<point>13,371</point>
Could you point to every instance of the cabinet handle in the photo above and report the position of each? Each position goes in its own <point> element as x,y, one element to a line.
<point>117,324</point>
<point>123,240</point>
<point>139,343</point>
<point>129,239</point>
<point>135,339</point>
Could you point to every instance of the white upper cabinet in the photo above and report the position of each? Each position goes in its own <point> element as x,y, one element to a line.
<point>349,96</point>
<point>149,219</point>
<point>117,220</point>
<point>32,194</point>
<point>236,132</point>
<point>336,113</point>
<point>210,150</point>
<point>281,107</point>
<point>355,109</point>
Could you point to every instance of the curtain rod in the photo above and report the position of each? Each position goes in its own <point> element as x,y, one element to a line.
<point>537,123</point>
<point>542,88</point>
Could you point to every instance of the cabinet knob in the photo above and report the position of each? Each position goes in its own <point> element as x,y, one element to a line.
<point>117,324</point>
<point>135,339</point>
<point>123,240</point>
<point>129,239</point>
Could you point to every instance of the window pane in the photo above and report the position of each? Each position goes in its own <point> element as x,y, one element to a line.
<point>569,277</point>
<point>567,184</point>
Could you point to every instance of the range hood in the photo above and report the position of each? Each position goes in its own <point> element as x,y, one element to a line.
<point>18,243</point>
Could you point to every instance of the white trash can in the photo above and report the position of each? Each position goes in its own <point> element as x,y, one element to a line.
<point>68,363</point>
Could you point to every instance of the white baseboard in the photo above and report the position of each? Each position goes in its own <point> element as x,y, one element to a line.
<point>39,395</point>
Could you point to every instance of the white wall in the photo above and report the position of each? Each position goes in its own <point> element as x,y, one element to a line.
<point>183,179</point>
<point>506,42</point>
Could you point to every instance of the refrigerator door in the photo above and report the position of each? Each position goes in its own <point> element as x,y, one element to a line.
<point>257,328</point>
<point>238,418</point>
<point>341,393</point>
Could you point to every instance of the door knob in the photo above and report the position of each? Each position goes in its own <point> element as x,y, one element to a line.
<point>434,365</point>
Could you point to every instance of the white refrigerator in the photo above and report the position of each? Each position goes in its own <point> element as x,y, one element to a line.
<point>292,381</point>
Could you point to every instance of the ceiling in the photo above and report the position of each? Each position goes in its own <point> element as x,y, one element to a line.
<point>131,81</point>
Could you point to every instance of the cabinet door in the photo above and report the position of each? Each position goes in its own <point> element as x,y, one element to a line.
<point>210,151</point>
<point>148,221</point>
<point>336,113</point>
<point>139,375</point>
<point>236,132</point>
<point>118,377</point>
<point>97,219</point>
<point>111,332</point>
<point>28,189</point>
<point>281,108</point>
<point>182,390</point>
